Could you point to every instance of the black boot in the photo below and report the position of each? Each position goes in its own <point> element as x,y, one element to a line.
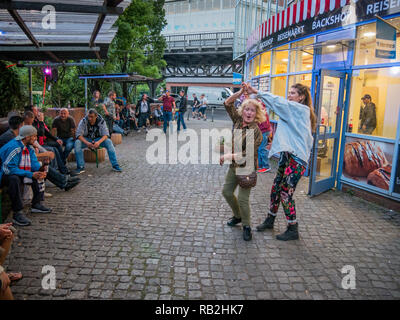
<point>247,233</point>
<point>291,233</point>
<point>234,221</point>
<point>267,224</point>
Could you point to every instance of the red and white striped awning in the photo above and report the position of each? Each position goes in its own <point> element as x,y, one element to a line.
<point>294,14</point>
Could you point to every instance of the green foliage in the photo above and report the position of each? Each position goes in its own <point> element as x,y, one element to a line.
<point>10,91</point>
<point>48,121</point>
<point>137,47</point>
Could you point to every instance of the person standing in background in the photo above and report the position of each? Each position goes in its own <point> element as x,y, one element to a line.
<point>203,107</point>
<point>367,115</point>
<point>143,111</point>
<point>168,108</point>
<point>109,111</point>
<point>182,109</point>
<point>196,104</point>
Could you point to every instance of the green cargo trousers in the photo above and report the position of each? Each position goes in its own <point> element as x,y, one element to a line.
<point>240,205</point>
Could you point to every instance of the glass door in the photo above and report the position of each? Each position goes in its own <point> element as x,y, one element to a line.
<point>328,106</point>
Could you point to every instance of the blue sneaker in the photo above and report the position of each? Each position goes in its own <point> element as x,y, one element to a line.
<point>21,220</point>
<point>117,168</point>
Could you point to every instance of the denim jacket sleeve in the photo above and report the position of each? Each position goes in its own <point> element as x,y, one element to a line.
<point>277,104</point>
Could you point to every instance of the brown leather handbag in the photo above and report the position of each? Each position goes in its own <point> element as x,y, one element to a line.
<point>247,181</point>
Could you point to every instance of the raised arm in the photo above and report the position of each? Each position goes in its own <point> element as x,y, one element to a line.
<point>230,104</point>
<point>277,104</point>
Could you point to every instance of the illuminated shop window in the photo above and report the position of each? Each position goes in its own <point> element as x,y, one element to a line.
<point>378,112</point>
<point>366,44</point>
<point>250,69</point>
<point>280,60</point>
<point>265,65</point>
<point>278,87</point>
<point>301,55</point>
<point>256,66</point>
<point>304,79</point>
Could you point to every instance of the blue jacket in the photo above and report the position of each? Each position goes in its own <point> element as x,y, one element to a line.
<point>293,133</point>
<point>10,155</point>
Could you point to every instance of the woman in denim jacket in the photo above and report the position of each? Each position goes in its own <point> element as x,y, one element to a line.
<point>293,140</point>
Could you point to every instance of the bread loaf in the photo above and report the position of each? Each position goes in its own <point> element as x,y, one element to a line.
<point>362,157</point>
<point>380,177</point>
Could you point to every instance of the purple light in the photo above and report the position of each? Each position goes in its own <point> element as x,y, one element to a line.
<point>47,71</point>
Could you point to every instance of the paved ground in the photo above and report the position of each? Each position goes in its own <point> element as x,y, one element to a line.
<point>159,232</point>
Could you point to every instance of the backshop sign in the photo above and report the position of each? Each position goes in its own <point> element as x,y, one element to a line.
<point>309,17</point>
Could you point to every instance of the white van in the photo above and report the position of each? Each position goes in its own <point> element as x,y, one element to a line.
<point>215,95</point>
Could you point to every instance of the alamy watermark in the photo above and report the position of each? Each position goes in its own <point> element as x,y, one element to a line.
<point>349,280</point>
<point>49,279</point>
<point>49,20</point>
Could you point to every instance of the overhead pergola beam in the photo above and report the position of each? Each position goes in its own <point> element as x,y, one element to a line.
<point>47,48</point>
<point>62,7</point>
<point>17,18</point>
<point>69,64</point>
<point>100,20</point>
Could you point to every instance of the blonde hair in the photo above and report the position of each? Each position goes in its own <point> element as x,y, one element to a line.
<point>260,113</point>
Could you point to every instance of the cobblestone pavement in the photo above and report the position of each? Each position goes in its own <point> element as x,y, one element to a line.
<point>159,232</point>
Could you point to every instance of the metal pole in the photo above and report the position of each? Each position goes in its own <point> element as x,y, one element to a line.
<point>86,103</point>
<point>212,114</point>
<point>392,25</point>
<point>30,86</point>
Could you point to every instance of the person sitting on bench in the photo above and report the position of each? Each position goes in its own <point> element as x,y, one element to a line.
<point>62,181</point>
<point>20,165</point>
<point>93,133</point>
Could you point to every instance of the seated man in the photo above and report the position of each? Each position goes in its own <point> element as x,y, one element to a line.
<point>45,137</point>
<point>7,232</point>
<point>29,119</point>
<point>157,115</point>
<point>93,133</point>
<point>62,181</point>
<point>64,129</point>
<point>19,163</point>
<point>132,118</point>
<point>126,116</point>
<point>117,127</point>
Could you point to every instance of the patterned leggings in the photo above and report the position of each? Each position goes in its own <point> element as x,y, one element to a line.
<point>285,182</point>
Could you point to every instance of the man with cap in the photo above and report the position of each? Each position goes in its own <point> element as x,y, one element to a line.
<point>19,163</point>
<point>62,181</point>
<point>367,115</point>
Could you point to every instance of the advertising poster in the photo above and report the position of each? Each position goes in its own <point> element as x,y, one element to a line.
<point>397,176</point>
<point>368,162</point>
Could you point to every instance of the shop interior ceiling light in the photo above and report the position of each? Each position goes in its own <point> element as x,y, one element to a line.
<point>369,34</point>
<point>395,70</point>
